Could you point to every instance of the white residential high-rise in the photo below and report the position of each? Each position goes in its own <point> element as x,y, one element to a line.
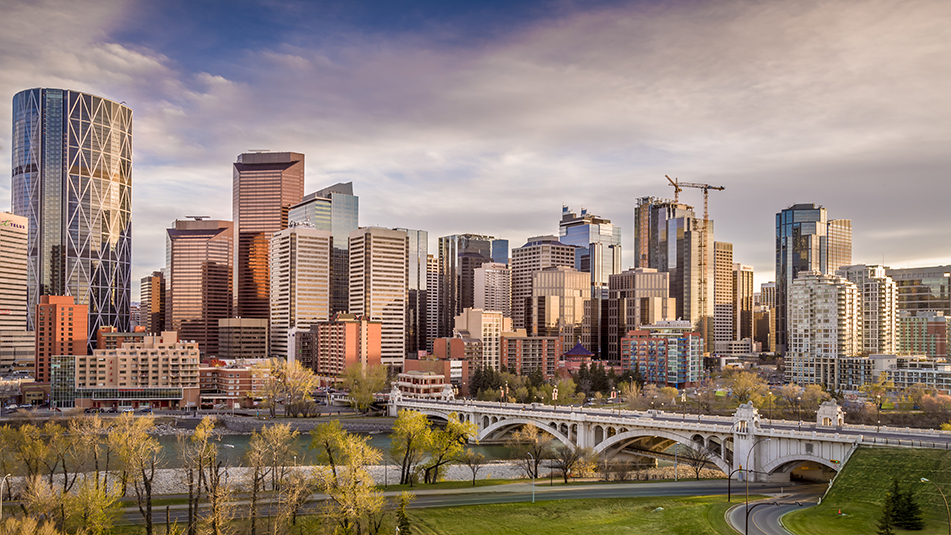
<point>879,295</point>
<point>723,319</point>
<point>378,265</point>
<point>493,288</point>
<point>300,282</point>
<point>488,327</point>
<point>824,325</point>
<point>540,252</point>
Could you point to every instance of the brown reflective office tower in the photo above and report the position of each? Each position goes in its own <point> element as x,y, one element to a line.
<point>265,186</point>
<point>198,284</point>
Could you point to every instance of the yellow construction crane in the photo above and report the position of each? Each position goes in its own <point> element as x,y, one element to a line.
<point>702,227</point>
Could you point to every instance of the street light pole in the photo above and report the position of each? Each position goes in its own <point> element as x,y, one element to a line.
<point>943,497</point>
<point>753,447</point>
<point>770,395</point>
<point>799,408</point>
<point>878,417</point>
<point>1,494</point>
<point>532,457</point>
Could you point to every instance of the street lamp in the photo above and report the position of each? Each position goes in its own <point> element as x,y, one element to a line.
<point>653,400</point>
<point>769,394</point>
<point>532,470</point>
<point>696,394</point>
<point>753,447</point>
<point>1,493</point>
<point>799,408</point>
<point>943,497</point>
<point>683,401</point>
<point>878,417</point>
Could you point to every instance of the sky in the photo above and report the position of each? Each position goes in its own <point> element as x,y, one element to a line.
<point>487,117</point>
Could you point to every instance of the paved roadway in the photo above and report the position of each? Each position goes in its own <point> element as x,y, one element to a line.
<point>766,519</point>
<point>515,493</point>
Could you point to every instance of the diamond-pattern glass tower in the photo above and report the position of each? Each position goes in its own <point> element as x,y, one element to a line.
<point>72,178</point>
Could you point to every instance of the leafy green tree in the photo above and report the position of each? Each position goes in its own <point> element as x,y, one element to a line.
<point>353,501</point>
<point>445,444</point>
<point>529,447</point>
<point>409,441</point>
<point>362,382</point>
<point>402,519</point>
<point>141,454</point>
<point>473,461</point>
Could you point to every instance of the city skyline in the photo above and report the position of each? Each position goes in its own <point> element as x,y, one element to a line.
<point>487,119</point>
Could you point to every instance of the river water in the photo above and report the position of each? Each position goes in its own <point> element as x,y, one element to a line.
<point>234,447</point>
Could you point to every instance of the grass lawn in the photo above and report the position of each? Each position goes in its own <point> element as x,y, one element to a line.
<point>680,515</point>
<point>859,491</point>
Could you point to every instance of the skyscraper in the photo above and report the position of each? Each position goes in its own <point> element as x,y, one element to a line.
<point>558,303</point>
<point>742,302</point>
<point>300,283</point>
<point>538,253</point>
<point>16,343</point>
<point>60,330</point>
<point>378,268</point>
<point>417,290</point>
<point>493,288</point>
<point>879,307</point>
<point>198,286</point>
<point>723,319</point>
<point>72,180</point>
<point>152,302</point>
<point>459,256</point>
<point>598,252</point>
<point>636,297</point>
<point>265,185</point>
<point>337,209</point>
<point>806,240</point>
<point>432,300</point>
<point>923,289</point>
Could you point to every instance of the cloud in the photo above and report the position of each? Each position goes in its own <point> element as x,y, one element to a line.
<point>845,104</point>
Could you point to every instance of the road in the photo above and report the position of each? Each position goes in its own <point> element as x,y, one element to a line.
<point>512,493</point>
<point>765,519</point>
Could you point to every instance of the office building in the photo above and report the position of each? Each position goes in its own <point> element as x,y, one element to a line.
<point>300,282</point>
<point>335,209</point>
<point>924,332</point>
<point>432,300</point>
<point>879,300</point>
<point>198,288</point>
<point>558,304</point>
<point>378,265</point>
<point>330,347</point>
<point>72,180</point>
<point>486,326</point>
<point>417,291</point>
<point>265,185</point>
<point>152,302</point>
<point>742,302</point>
<point>723,319</point>
<point>923,288</point>
<point>459,256</point>
<point>825,325</point>
<point>159,371</point>
<point>668,353</point>
<point>767,294</point>
<point>243,338</point>
<point>636,297</point>
<point>538,253</point>
<point>13,272</point>
<point>806,240</point>
<point>493,288</point>
<point>60,330</point>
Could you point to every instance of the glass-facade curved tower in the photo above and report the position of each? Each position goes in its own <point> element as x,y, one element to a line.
<point>72,179</point>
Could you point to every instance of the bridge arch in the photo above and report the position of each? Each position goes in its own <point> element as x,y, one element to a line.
<point>622,438</point>
<point>513,422</point>
<point>776,464</point>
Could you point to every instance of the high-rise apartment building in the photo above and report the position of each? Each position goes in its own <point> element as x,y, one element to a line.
<point>723,319</point>
<point>493,288</point>
<point>265,186</point>
<point>72,180</point>
<point>667,353</point>
<point>598,252</point>
<point>672,239</point>
<point>879,300</point>
<point>538,253</point>
<point>639,296</point>
<point>337,209</point>
<point>198,288</point>
<point>432,300</point>
<point>301,258</point>
<point>330,347</point>
<point>924,288</point>
<point>558,303</point>
<point>742,302</point>
<point>459,256</point>
<point>806,240</point>
<point>378,265</point>
<point>924,332</point>
<point>488,327</point>
<point>61,329</point>
<point>523,354</point>
<point>825,314</point>
<point>152,302</point>
<point>417,291</point>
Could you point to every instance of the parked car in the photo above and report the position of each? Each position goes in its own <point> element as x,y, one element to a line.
<point>112,410</point>
<point>11,406</point>
<point>127,409</point>
<point>26,406</point>
<point>146,410</point>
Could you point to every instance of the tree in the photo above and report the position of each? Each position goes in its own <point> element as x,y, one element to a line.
<point>881,387</point>
<point>906,513</point>
<point>28,526</point>
<point>328,440</point>
<point>287,382</point>
<point>445,444</point>
<point>267,456</point>
<point>353,498</point>
<point>566,458</point>
<point>362,382</point>
<point>93,509</point>
<point>529,447</point>
<point>473,461</point>
<point>203,474</point>
<point>140,453</point>
<point>698,459</point>
<point>746,385</point>
<point>402,520</point>
<point>408,442</point>
<point>295,490</point>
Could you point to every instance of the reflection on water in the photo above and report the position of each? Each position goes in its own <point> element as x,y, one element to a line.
<point>234,447</point>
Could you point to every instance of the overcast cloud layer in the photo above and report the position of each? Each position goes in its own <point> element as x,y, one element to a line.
<point>449,123</point>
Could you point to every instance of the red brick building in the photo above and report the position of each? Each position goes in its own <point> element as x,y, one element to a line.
<point>61,329</point>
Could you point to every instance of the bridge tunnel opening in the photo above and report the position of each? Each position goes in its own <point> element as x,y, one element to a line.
<point>806,471</point>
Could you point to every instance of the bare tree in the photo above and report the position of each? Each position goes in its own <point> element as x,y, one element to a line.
<point>698,458</point>
<point>565,459</point>
<point>141,454</point>
<point>529,447</point>
<point>473,461</point>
